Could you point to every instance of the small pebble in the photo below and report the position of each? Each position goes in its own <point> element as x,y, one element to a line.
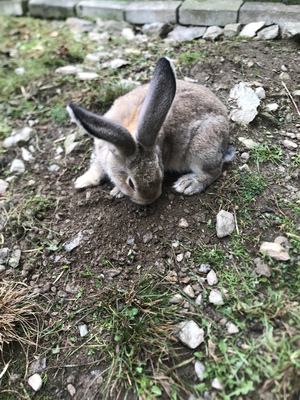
<point>35,382</point>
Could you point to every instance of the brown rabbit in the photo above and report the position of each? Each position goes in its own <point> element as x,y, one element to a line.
<point>167,125</point>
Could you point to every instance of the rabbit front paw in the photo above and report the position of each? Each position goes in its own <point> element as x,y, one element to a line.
<point>116,192</point>
<point>90,178</point>
<point>188,184</point>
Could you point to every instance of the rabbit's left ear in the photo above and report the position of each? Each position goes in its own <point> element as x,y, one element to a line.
<point>157,103</point>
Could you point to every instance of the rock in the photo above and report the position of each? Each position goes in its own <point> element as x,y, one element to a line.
<point>199,369</point>
<point>95,57</point>
<point>71,288</point>
<point>113,272</point>
<point>99,37</point>
<point>80,25</point>
<point>250,29</point>
<point>249,143</point>
<point>83,330</point>
<point>275,251</point>
<point>128,33</point>
<point>17,137</point>
<point>35,382</point>
<point>283,241</point>
<point>38,365</point>
<point>2,268</point>
<point>183,33</point>
<point>284,68</point>
<point>176,299</point>
<point>87,76</point>
<point>148,237</point>
<point>26,155</point>
<point>74,243</point>
<point>216,384</point>
<point>212,278</point>
<point>213,32</point>
<point>225,223</point>
<point>204,268</point>
<point>71,389</point>
<point>269,33</point>
<point>67,70</point>
<point>199,299</point>
<point>14,259</point>
<point>284,76</point>
<point>111,27</point>
<point>232,29</point>
<point>179,257</point>
<point>4,252</point>
<point>157,29</point>
<point>245,157</point>
<point>183,223</point>
<point>260,92</point>
<point>172,276</point>
<point>289,144</point>
<point>215,297</point>
<point>290,30</point>
<point>54,168</point>
<point>271,107</point>
<point>231,328</point>
<point>247,102</point>
<point>262,269</point>
<point>190,334</point>
<point>3,187</point>
<point>188,290</point>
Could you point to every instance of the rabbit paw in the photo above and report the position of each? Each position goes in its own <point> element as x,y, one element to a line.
<point>188,184</point>
<point>90,178</point>
<point>116,192</point>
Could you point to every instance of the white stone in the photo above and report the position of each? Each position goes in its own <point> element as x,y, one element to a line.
<point>247,102</point>
<point>17,166</point>
<point>83,330</point>
<point>87,76</point>
<point>290,30</point>
<point>18,136</point>
<point>213,32</point>
<point>74,243</point>
<point>26,155</point>
<point>54,168</point>
<point>289,144</point>
<point>245,157</point>
<point>269,33</point>
<point>67,70</point>
<point>274,250</point>
<point>199,369</point>
<point>179,257</point>
<point>188,290</point>
<point>14,259</point>
<point>232,328</point>
<point>3,187</point>
<point>20,71</point>
<point>232,29</point>
<point>250,29</point>
<point>225,223</point>
<point>128,33</point>
<point>35,382</point>
<point>199,299</point>
<point>183,223</point>
<point>212,278</point>
<point>190,334</point>
<point>215,297</point>
<point>182,33</point>
<point>249,143</point>
<point>216,384</point>
<point>98,37</point>
<point>71,389</point>
<point>260,92</point>
<point>271,107</point>
<point>176,299</point>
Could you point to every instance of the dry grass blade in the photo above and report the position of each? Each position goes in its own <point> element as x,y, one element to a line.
<point>18,314</point>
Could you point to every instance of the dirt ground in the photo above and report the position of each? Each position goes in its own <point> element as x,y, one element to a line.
<point>121,241</point>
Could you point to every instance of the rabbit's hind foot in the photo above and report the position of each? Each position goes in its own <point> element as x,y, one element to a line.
<point>90,178</point>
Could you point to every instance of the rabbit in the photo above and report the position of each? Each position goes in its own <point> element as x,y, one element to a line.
<point>167,125</point>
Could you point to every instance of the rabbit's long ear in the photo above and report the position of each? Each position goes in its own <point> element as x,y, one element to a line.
<point>157,103</point>
<point>103,128</point>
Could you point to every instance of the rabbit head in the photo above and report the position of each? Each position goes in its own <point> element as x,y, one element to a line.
<point>133,162</point>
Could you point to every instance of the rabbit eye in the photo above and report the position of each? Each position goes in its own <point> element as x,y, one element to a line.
<point>130,183</point>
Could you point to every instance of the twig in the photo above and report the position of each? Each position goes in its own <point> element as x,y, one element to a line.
<point>5,369</point>
<point>291,97</point>
<point>235,220</point>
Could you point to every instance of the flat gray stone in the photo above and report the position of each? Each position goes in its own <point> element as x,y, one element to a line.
<point>209,12</point>
<point>275,251</point>
<point>17,166</point>
<point>251,29</point>
<point>55,9</point>
<point>271,13</point>
<point>4,252</point>
<point>16,8</point>
<point>213,32</point>
<point>152,11</point>
<point>215,297</point>
<point>290,30</point>
<point>269,33</point>
<point>109,10</point>
<point>183,33</point>
<point>232,29</point>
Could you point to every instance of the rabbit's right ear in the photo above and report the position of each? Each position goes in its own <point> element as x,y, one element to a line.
<point>157,103</point>
<point>103,128</point>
